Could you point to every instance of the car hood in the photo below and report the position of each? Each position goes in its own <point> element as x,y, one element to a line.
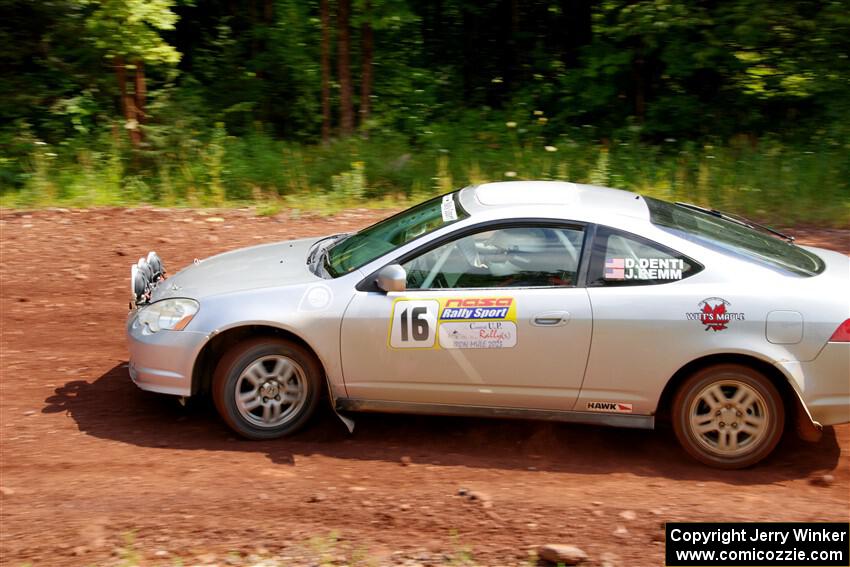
<point>266,265</point>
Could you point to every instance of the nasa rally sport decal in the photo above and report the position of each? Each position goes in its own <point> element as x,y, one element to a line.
<point>614,407</point>
<point>453,323</point>
<point>715,314</point>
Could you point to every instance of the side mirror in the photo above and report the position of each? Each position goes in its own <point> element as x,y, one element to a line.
<point>392,278</point>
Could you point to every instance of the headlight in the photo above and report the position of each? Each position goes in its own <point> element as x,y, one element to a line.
<point>169,314</point>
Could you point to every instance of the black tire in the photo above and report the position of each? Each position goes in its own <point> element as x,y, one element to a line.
<point>260,355</point>
<point>727,433</point>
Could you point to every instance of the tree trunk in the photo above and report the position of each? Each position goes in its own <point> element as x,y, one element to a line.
<point>471,56</point>
<point>128,105</point>
<point>576,29</point>
<point>326,71</point>
<point>141,92</point>
<point>638,70</point>
<point>510,61</point>
<point>366,77</point>
<point>268,104</point>
<point>346,114</point>
<point>252,19</point>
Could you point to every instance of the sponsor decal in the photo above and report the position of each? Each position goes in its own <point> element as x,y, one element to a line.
<point>613,407</point>
<point>448,209</point>
<point>453,323</point>
<point>476,308</point>
<point>715,314</point>
<point>644,269</point>
<point>484,334</point>
<point>480,302</point>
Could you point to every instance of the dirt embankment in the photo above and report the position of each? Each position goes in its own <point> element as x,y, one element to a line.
<point>93,468</point>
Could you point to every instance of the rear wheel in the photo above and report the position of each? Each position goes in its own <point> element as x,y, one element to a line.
<point>728,416</point>
<point>266,388</point>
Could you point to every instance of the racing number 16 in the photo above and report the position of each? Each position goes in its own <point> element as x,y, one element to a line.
<point>420,325</point>
<point>414,323</point>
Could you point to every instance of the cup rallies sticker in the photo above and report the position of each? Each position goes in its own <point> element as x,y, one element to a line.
<point>453,323</point>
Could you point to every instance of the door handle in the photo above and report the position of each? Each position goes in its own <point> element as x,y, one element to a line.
<point>551,319</point>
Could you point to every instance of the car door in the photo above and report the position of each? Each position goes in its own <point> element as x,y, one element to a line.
<point>645,316</point>
<point>490,317</point>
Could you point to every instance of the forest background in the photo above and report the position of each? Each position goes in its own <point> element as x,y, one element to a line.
<point>326,104</point>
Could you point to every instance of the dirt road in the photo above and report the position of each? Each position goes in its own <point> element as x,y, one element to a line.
<point>95,471</point>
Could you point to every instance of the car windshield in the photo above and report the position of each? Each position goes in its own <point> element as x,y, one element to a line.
<point>375,241</point>
<point>733,237</point>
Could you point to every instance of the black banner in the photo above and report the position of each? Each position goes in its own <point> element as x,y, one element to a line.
<point>762,544</point>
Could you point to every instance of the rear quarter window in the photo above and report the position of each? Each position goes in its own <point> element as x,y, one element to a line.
<point>734,239</point>
<point>623,259</point>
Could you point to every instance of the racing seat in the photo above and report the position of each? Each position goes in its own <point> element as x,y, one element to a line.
<point>521,257</point>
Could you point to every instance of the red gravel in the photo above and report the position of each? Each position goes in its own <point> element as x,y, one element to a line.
<point>88,460</point>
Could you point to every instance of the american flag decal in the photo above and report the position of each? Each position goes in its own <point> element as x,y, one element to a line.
<point>615,269</point>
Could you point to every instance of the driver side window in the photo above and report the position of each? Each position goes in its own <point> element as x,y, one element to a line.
<point>529,256</point>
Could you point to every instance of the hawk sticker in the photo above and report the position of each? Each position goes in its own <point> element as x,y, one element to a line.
<point>715,314</point>
<point>613,407</point>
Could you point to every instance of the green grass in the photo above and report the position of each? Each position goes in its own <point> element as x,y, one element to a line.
<point>770,181</point>
<point>325,550</point>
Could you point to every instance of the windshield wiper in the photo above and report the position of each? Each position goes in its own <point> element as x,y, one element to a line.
<point>325,259</point>
<point>317,247</point>
<point>737,219</point>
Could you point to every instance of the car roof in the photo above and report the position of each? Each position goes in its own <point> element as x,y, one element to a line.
<point>572,199</point>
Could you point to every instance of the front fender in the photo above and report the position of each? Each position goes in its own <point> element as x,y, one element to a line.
<point>310,312</point>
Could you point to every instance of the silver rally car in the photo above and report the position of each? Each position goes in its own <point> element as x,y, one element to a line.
<point>542,300</point>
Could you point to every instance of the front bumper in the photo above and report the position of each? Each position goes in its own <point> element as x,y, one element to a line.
<point>824,383</point>
<point>163,362</point>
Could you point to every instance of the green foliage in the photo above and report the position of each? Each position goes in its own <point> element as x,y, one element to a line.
<point>350,185</point>
<point>743,104</point>
<point>130,28</point>
<point>771,180</point>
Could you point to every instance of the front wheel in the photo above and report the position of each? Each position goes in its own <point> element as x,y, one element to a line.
<point>728,416</point>
<point>266,388</point>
